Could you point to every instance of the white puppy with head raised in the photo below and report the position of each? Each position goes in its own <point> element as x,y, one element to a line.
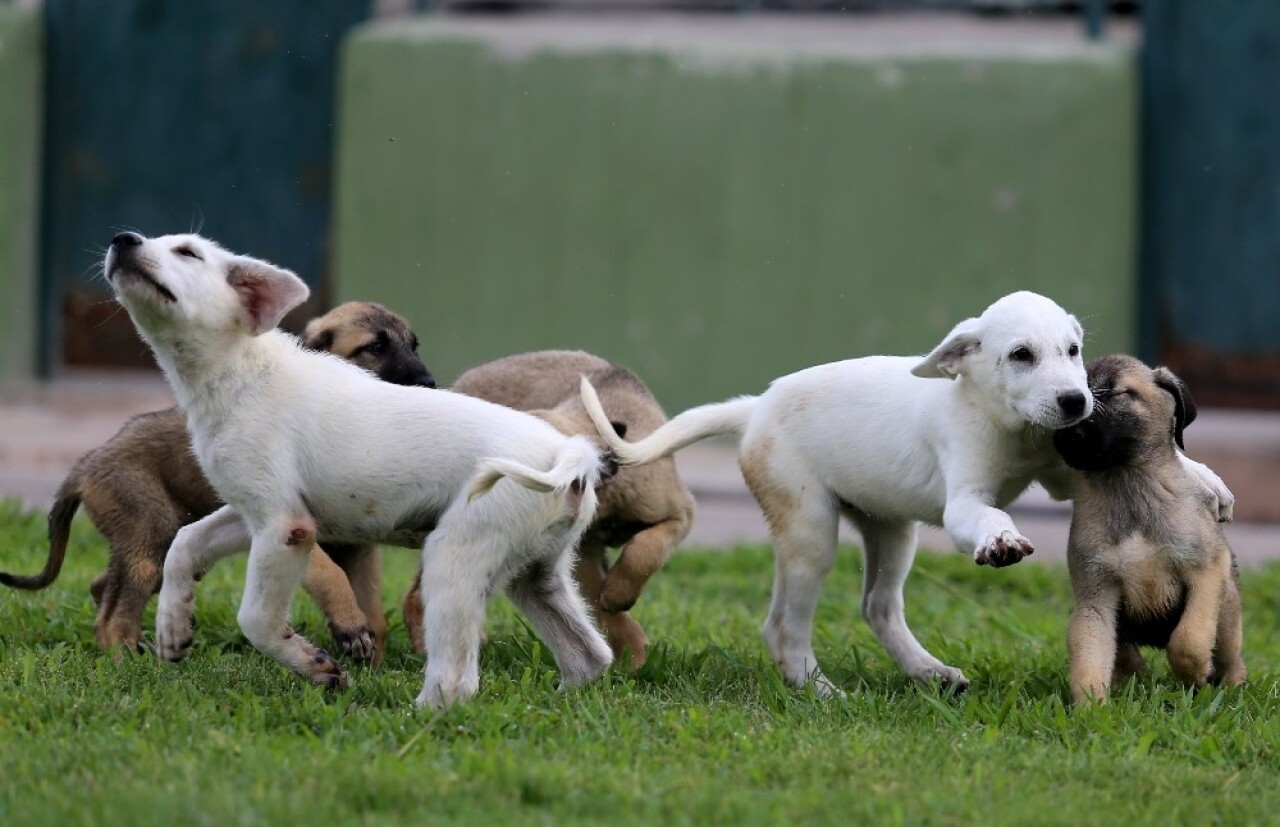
<point>889,443</point>
<point>305,447</point>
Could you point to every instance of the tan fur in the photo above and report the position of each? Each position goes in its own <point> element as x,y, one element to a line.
<point>776,502</point>
<point>645,510</point>
<point>144,484</point>
<point>1147,557</point>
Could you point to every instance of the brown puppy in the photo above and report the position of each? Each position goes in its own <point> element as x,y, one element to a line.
<point>144,484</point>
<point>644,510</point>
<point>1148,561</point>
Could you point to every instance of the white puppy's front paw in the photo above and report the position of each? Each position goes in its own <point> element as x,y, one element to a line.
<point>173,629</point>
<point>1003,549</point>
<point>947,676</point>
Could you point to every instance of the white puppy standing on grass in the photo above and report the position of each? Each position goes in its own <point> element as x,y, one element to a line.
<point>305,447</point>
<point>883,442</point>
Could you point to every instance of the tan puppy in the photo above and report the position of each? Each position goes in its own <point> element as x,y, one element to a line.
<point>645,510</point>
<point>144,484</point>
<point>1148,561</point>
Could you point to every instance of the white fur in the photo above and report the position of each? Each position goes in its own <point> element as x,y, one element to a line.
<point>889,442</point>
<point>305,445</point>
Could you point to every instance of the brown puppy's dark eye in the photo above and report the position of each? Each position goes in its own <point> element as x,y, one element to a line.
<point>1023,354</point>
<point>1074,350</point>
<point>187,252</point>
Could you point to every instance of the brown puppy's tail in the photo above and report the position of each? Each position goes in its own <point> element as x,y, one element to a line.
<point>64,508</point>
<point>692,426</point>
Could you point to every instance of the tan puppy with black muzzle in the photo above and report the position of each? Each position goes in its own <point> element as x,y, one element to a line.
<point>1148,560</point>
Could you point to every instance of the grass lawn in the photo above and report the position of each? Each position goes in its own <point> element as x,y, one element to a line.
<point>706,732</point>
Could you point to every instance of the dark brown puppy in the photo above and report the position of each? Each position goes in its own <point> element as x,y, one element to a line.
<point>644,510</point>
<point>1148,560</point>
<point>144,484</point>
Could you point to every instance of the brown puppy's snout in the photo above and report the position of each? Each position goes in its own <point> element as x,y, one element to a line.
<point>608,468</point>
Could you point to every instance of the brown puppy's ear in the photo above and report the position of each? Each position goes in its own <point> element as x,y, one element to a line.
<point>1184,407</point>
<point>266,292</point>
<point>313,338</point>
<point>947,361</point>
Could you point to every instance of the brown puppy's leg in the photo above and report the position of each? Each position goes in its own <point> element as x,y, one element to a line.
<point>413,616</point>
<point>98,587</point>
<point>1190,649</point>
<point>1091,640</point>
<point>139,578</point>
<point>328,586</point>
<point>1129,662</point>
<point>1228,664</point>
<point>624,634</point>
<point>640,558</point>
<point>363,565</point>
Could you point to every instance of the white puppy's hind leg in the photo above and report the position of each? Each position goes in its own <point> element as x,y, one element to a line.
<point>549,598</point>
<point>457,580</point>
<point>890,551</point>
<point>277,560</point>
<point>194,551</point>
<point>804,551</point>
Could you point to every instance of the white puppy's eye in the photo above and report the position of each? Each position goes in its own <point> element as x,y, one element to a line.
<point>1074,350</point>
<point>188,252</point>
<point>1022,354</point>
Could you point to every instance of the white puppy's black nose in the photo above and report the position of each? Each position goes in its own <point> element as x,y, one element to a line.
<point>1072,403</point>
<point>123,240</point>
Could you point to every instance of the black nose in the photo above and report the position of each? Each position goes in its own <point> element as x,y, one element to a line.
<point>427,381</point>
<point>1072,403</point>
<point>126,240</point>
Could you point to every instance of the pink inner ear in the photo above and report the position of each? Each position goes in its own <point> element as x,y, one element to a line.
<point>265,293</point>
<point>252,289</point>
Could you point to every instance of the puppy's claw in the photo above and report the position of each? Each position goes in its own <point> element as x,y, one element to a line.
<point>327,672</point>
<point>1003,550</point>
<point>356,643</point>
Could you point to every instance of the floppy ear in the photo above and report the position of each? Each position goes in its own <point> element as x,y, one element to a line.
<point>947,359</point>
<point>313,338</point>
<point>1184,407</point>
<point>266,292</point>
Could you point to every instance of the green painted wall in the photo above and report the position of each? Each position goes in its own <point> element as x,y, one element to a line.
<point>716,220</point>
<point>20,113</point>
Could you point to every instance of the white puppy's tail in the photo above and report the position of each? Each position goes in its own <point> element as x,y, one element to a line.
<point>577,467</point>
<point>684,429</point>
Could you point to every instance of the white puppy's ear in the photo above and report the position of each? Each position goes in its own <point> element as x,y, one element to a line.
<point>947,359</point>
<point>266,292</point>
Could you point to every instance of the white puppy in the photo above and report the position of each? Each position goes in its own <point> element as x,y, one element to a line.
<point>885,443</point>
<point>305,447</point>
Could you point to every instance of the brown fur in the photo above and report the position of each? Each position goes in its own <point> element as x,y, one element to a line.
<point>1148,560</point>
<point>144,484</point>
<point>645,510</point>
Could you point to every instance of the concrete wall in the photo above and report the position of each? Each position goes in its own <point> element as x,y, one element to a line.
<point>20,118</point>
<point>718,202</point>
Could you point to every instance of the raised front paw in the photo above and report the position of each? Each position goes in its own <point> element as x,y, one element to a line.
<point>1003,549</point>
<point>620,592</point>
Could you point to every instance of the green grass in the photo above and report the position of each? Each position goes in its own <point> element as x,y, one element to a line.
<point>706,732</point>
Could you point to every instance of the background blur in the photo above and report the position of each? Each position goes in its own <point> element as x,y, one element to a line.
<point>712,193</point>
